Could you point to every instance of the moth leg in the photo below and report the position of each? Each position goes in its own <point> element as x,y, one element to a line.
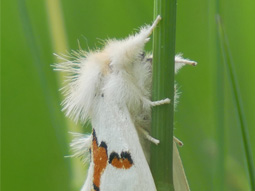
<point>177,141</point>
<point>180,60</point>
<point>160,102</point>
<point>148,137</point>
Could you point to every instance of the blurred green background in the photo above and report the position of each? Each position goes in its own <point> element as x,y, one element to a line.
<point>34,131</point>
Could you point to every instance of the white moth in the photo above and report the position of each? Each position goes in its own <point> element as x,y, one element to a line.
<point>111,88</point>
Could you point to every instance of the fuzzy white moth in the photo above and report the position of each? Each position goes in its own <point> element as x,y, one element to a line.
<point>111,88</point>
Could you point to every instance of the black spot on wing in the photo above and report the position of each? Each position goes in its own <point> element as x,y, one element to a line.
<point>112,156</point>
<point>96,188</point>
<point>126,155</point>
<point>123,155</point>
<point>94,135</point>
<point>103,144</point>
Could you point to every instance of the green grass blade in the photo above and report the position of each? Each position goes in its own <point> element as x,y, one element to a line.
<point>60,45</point>
<point>237,98</point>
<point>163,87</point>
<point>56,120</point>
<point>219,109</point>
<point>57,26</point>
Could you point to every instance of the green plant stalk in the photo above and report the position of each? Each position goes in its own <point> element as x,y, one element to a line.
<point>163,87</point>
<point>237,98</point>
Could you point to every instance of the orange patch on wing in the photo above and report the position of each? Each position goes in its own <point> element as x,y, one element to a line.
<point>121,163</point>
<point>100,159</point>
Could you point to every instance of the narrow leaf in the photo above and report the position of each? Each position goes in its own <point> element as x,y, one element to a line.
<point>229,65</point>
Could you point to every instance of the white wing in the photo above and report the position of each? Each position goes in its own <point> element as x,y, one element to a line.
<point>114,126</point>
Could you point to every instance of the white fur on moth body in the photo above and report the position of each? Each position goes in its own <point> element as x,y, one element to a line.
<point>111,88</point>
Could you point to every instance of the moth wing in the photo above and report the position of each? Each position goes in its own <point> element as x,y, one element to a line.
<point>115,127</point>
<point>80,146</point>
<point>88,183</point>
<point>180,180</point>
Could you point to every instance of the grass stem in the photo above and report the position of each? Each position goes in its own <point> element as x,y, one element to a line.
<point>163,87</point>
